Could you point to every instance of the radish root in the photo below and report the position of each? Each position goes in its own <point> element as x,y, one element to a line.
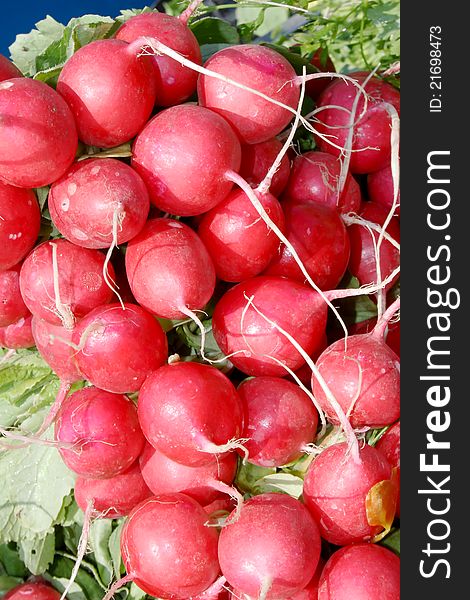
<point>118,585</point>
<point>64,312</point>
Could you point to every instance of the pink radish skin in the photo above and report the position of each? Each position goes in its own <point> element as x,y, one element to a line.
<point>33,589</point>
<point>335,491</point>
<point>365,571</point>
<point>195,182</point>
<point>254,119</point>
<point>7,69</point>
<point>310,592</point>
<point>171,526</point>
<point>94,192</point>
<point>389,445</point>
<point>295,308</point>
<point>272,550</point>
<point>17,335</point>
<point>12,306</point>
<point>315,178</point>
<point>362,262</point>
<point>169,269</point>
<point>280,420</point>
<point>39,125</point>
<point>364,373</point>
<point>321,240</point>
<point>371,138</point>
<point>238,240</point>
<point>166,476</point>
<point>100,82</point>
<point>257,160</point>
<point>80,281</point>
<point>113,497</point>
<point>104,429</point>
<point>54,345</point>
<point>322,61</point>
<point>109,332</point>
<point>175,83</point>
<point>208,407</point>
<point>19,224</point>
<point>380,188</point>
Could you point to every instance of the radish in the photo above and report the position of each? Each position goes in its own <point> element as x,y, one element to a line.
<point>280,420</point>
<point>321,240</point>
<point>37,590</point>
<point>113,497</point>
<point>272,550</point>
<point>389,445</point>
<point>336,488</point>
<point>190,411</point>
<point>103,430</point>
<point>175,83</point>
<point>17,335</point>
<point>20,220</point>
<point>322,61</point>
<point>172,527</point>
<point>54,345</point>
<point>371,134</point>
<point>109,332</point>
<point>98,203</point>
<point>61,282</point>
<point>310,592</point>
<point>169,269</point>
<point>256,345</point>
<point>192,182</point>
<point>100,83</point>
<point>39,125</point>
<point>392,332</point>
<point>239,242</point>
<point>315,178</point>
<point>380,188</point>
<point>365,571</point>
<point>12,306</point>
<point>7,69</point>
<point>256,161</point>
<point>204,483</point>
<point>253,118</point>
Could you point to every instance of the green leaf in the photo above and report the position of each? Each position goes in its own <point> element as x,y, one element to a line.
<point>100,532</point>
<point>280,482</point>
<point>248,476</point>
<point>136,593</point>
<point>114,546</point>
<point>85,586</point>
<point>211,30</point>
<point>209,50</point>
<point>38,553</point>
<point>392,541</point>
<point>7,583</point>
<point>11,562</point>
<point>262,21</point>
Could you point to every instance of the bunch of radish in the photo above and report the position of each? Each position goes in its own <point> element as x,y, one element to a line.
<point>211,209</point>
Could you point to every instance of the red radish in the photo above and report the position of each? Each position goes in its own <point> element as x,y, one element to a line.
<point>272,550</point>
<point>104,431</point>
<point>175,83</point>
<point>322,61</point>
<point>12,306</point>
<point>109,332</point>
<point>204,483</point>
<point>255,345</point>
<point>7,69</point>
<point>190,411</point>
<point>17,335</point>
<point>172,527</point>
<point>257,160</point>
<point>238,240</point>
<point>380,188</point>
<point>392,334</point>
<point>37,590</point>
<point>371,135</point>
<point>310,592</point>
<point>258,67</point>
<point>304,374</point>
<point>61,282</point>
<point>100,83</point>
<point>191,182</point>
<point>280,420</point>
<point>54,343</point>
<point>98,203</point>
<point>363,374</point>
<point>321,240</point>
<point>39,125</point>
<point>365,571</point>
<point>336,488</point>
<point>315,178</point>
<point>389,445</point>
<point>113,497</point>
<point>169,269</point>
<point>363,259</point>
<point>20,220</point>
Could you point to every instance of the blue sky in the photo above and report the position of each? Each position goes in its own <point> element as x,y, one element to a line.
<point>20,17</point>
